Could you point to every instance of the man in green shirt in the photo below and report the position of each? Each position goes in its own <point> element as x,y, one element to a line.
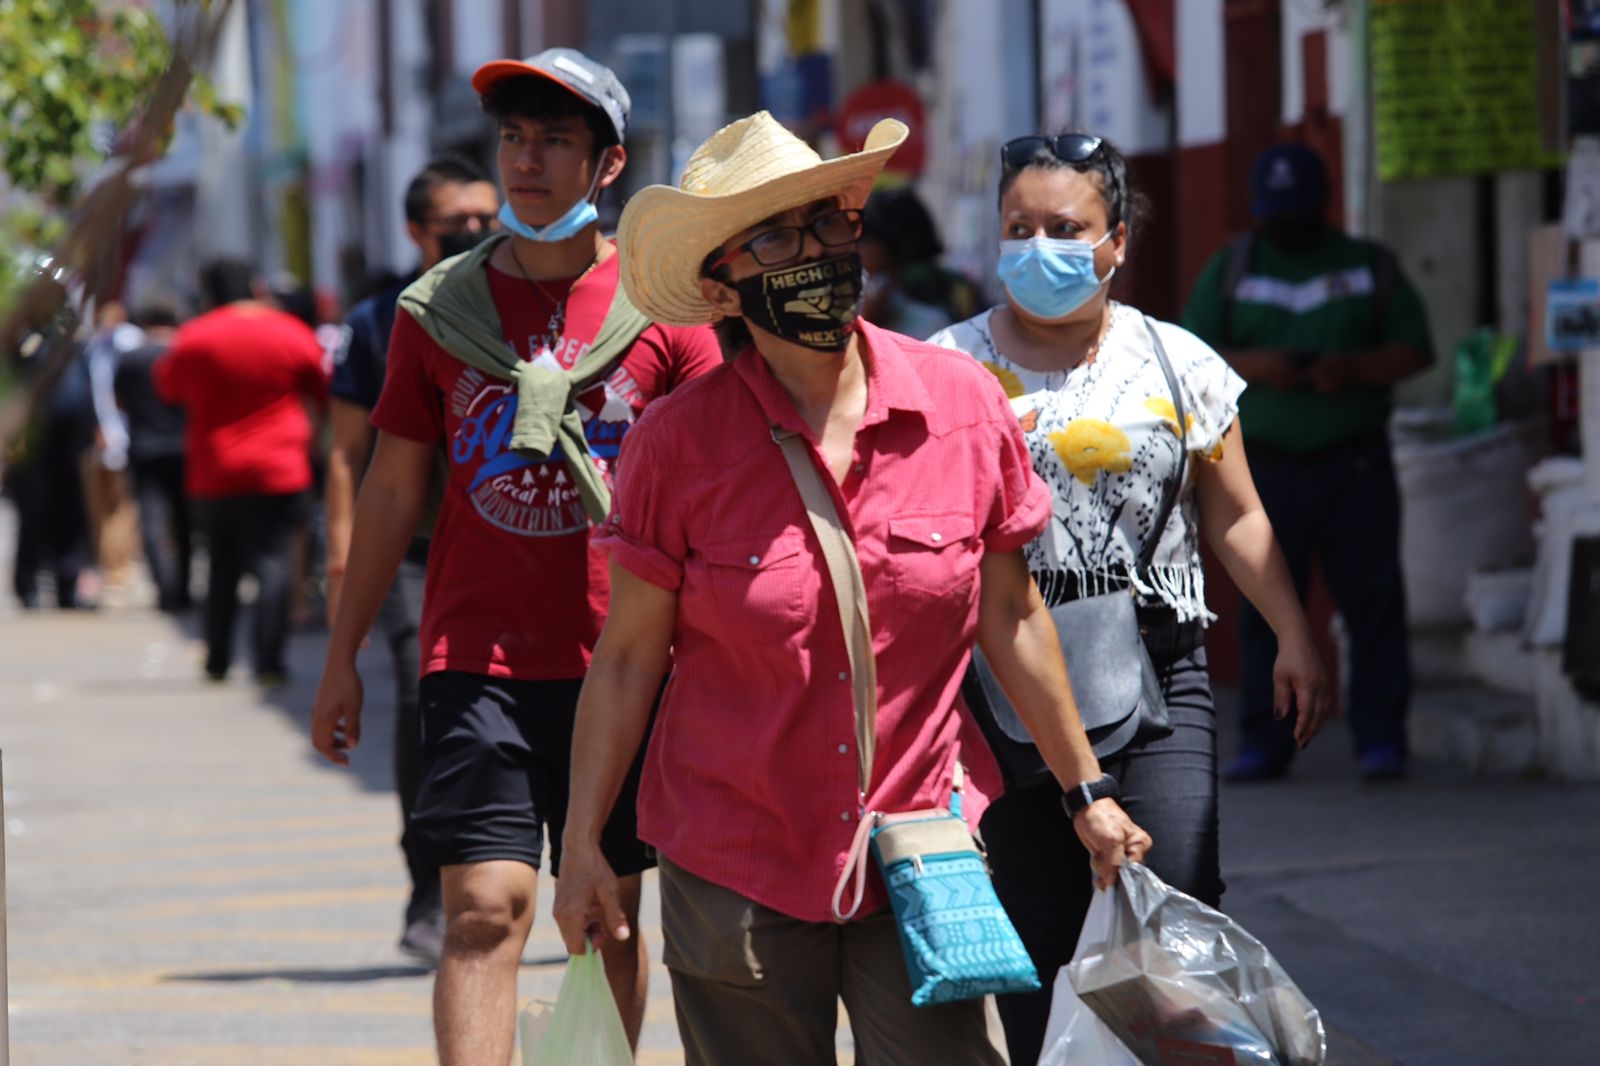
<point>1322,325</point>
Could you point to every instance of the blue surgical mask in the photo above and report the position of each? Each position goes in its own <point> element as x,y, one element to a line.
<point>1049,277</point>
<point>581,214</point>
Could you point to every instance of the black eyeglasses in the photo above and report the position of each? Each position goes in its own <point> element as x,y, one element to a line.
<point>780,244</point>
<point>1067,147</point>
<point>458,223</point>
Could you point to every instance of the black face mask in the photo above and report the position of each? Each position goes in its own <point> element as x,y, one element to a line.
<point>814,304</point>
<point>461,241</point>
<point>1296,233</point>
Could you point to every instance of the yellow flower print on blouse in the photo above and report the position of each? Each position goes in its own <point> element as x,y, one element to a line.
<point>1008,380</point>
<point>1163,409</point>
<point>1088,445</point>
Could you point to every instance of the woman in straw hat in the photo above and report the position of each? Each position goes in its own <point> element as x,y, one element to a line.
<point>752,793</point>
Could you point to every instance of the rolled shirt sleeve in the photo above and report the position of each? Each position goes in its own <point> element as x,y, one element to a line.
<point>644,533</point>
<point>409,405</point>
<point>1022,501</point>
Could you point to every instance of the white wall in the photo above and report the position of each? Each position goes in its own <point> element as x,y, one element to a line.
<point>224,200</point>
<point>984,94</point>
<point>477,34</point>
<point>1299,19</point>
<point>335,72</point>
<point>407,150</point>
<point>1202,74</point>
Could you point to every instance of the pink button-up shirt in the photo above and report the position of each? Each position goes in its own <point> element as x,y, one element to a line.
<point>750,781</point>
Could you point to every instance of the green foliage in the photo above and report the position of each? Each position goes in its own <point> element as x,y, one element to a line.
<point>24,233</point>
<point>73,75</point>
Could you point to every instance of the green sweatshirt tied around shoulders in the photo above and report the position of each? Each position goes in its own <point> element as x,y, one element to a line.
<point>453,305</point>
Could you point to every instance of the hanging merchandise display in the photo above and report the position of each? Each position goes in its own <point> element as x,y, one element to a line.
<point>1455,88</point>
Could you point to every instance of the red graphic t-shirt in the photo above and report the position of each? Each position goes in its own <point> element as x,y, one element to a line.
<point>514,589</point>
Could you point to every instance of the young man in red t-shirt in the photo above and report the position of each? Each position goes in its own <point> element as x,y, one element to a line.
<point>515,597</point>
<point>244,374</point>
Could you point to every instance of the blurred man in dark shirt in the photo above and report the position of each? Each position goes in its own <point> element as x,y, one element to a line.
<point>155,458</point>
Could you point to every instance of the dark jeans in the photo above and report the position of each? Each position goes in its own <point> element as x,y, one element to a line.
<point>249,535</point>
<point>164,527</point>
<point>1343,508</point>
<point>400,619</point>
<point>1041,871</point>
<point>52,518</point>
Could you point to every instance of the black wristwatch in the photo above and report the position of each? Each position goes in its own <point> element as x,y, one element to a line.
<point>1077,798</point>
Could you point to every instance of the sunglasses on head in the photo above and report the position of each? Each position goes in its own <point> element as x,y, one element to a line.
<point>1067,147</point>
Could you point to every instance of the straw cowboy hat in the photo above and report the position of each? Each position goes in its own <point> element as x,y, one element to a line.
<point>745,172</point>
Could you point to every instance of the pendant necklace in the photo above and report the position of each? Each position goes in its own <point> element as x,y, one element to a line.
<point>558,317</point>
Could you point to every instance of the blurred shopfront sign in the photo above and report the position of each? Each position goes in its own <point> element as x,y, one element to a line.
<point>1456,88</point>
<point>883,99</point>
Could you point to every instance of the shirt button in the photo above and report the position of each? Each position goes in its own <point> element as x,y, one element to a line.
<point>754,559</point>
<point>844,816</point>
<point>861,468</point>
<point>937,537</point>
<point>844,749</point>
<point>844,675</point>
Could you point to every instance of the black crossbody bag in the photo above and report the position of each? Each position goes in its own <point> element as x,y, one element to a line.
<point>1114,681</point>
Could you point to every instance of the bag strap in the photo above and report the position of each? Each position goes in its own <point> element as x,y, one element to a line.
<point>1174,485</point>
<point>1234,268</point>
<point>849,589</point>
<point>1384,272</point>
<point>850,593</point>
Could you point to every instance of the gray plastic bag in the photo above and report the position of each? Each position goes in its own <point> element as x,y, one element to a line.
<point>1177,981</point>
<point>1074,1035</point>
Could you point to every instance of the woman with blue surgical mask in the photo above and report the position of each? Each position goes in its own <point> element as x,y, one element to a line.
<point>1102,419</point>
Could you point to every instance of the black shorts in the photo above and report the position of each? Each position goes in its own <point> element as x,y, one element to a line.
<point>496,753</point>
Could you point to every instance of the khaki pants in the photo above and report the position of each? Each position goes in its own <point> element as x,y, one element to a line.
<point>113,521</point>
<point>752,986</point>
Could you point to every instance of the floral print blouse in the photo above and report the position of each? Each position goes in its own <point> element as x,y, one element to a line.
<point>1104,437</point>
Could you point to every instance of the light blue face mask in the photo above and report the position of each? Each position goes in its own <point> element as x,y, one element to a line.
<point>581,214</point>
<point>1050,277</point>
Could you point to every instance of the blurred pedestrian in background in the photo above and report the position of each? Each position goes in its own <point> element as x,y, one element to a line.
<point>155,458</point>
<point>1322,325</point>
<point>907,289</point>
<point>285,291</point>
<point>113,521</point>
<point>521,361</point>
<point>244,374</point>
<point>449,206</point>
<point>44,468</point>
<point>1089,379</point>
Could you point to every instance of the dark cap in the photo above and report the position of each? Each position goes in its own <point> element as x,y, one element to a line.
<point>1287,180</point>
<point>592,82</point>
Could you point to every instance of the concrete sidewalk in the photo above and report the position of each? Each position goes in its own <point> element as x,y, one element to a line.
<point>190,886</point>
<point>1445,920</point>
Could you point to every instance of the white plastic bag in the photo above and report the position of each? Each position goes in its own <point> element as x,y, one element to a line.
<point>584,1029</point>
<point>1074,1036</point>
<point>1176,980</point>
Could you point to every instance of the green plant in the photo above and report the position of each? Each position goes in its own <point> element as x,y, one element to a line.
<point>73,75</point>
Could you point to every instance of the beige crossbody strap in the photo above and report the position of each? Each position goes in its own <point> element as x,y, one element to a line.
<point>849,589</point>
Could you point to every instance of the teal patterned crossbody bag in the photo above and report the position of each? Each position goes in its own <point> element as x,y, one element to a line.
<point>957,940</point>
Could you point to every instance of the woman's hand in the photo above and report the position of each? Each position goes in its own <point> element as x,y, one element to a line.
<point>1111,838</point>
<point>1298,679</point>
<point>588,902</point>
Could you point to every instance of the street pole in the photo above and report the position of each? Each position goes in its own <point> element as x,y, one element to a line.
<point>5,993</point>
